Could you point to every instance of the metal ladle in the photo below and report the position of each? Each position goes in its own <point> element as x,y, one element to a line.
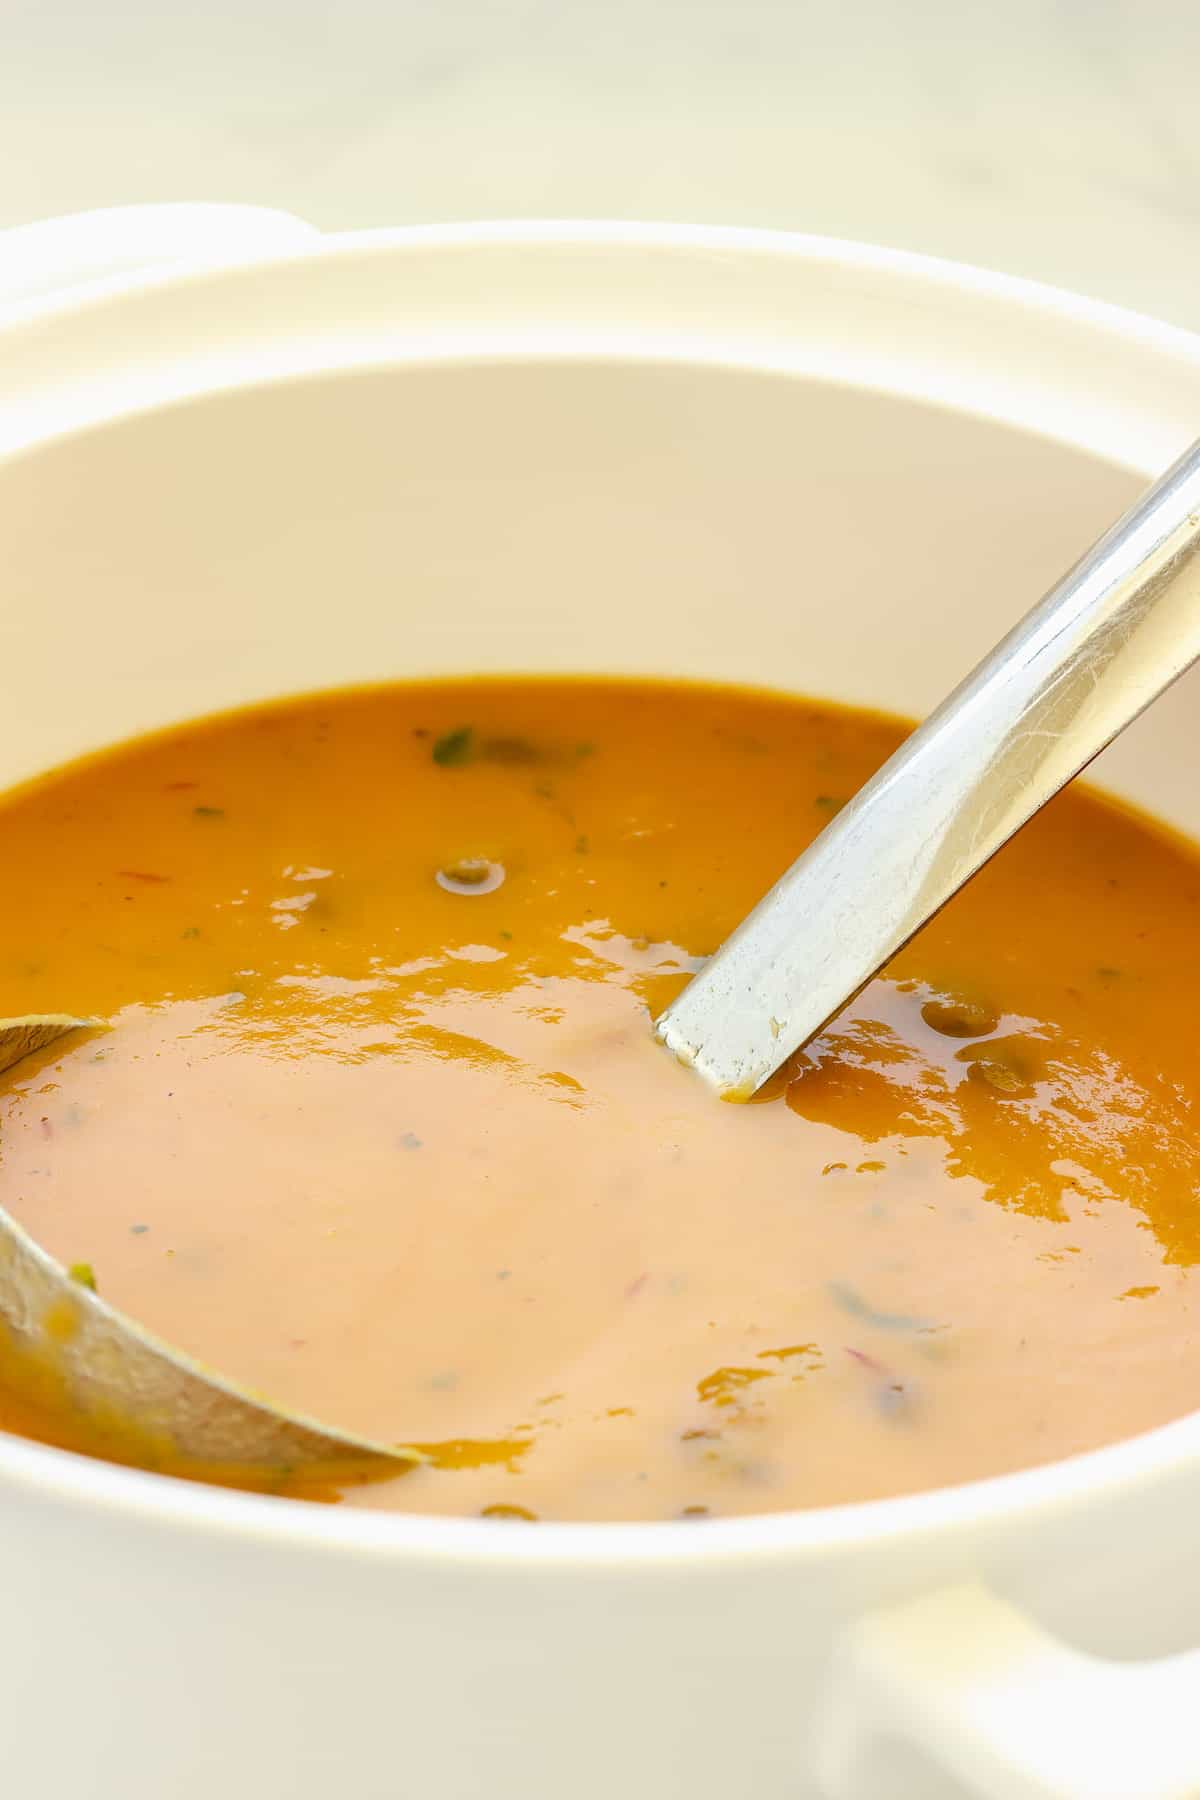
<point>1085,662</point>
<point>1120,627</point>
<point>127,1394</point>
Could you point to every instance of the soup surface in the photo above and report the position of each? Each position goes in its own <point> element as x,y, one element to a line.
<point>378,1125</point>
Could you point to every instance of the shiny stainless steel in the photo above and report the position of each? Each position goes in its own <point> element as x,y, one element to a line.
<point>1106,641</point>
<point>159,1404</point>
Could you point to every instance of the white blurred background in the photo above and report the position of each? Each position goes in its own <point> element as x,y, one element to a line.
<point>1053,138</point>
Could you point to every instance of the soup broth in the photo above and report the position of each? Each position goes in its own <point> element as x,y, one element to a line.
<point>377,1125</point>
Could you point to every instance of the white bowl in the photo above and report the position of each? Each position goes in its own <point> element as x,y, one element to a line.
<point>711,453</point>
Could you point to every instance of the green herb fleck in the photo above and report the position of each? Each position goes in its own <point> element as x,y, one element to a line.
<point>507,936</point>
<point>84,1274</point>
<point>191,931</point>
<point>828,803</point>
<point>410,1141</point>
<point>511,751</point>
<point>454,747</point>
<point>208,812</point>
<point>139,1230</point>
<point>852,1302</point>
<point>581,846</point>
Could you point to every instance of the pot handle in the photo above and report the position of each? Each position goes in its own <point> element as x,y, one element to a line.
<point>44,261</point>
<point>963,1683</point>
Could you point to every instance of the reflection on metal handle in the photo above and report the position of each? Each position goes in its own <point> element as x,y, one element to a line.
<point>977,1694</point>
<point>1104,643</point>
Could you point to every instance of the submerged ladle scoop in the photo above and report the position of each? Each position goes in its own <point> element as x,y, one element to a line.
<point>1104,643</point>
<point>1116,631</point>
<point>127,1393</point>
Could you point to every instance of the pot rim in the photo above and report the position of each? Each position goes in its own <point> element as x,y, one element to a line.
<point>971,340</point>
<point>728,256</point>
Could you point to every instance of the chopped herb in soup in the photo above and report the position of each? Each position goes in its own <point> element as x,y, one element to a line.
<point>378,1127</point>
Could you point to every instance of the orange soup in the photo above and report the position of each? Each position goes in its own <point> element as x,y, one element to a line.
<point>377,1124</point>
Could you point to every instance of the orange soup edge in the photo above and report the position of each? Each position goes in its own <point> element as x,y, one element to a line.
<point>378,1126</point>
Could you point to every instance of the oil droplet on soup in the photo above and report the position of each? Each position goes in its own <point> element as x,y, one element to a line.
<point>380,1129</point>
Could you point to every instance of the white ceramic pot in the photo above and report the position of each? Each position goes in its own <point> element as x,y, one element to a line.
<point>237,460</point>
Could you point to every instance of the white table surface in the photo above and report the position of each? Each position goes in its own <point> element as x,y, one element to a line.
<point>1053,138</point>
<point>1058,139</point>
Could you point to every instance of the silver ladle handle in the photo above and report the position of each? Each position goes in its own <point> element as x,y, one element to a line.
<point>1104,643</point>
